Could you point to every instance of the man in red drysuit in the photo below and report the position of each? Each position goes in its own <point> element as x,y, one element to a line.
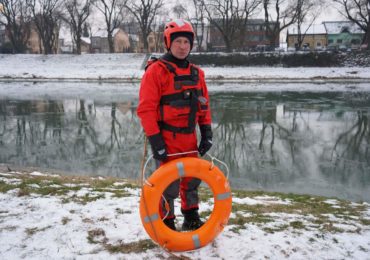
<point>173,100</point>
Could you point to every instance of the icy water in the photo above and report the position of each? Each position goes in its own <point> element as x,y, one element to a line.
<point>301,138</point>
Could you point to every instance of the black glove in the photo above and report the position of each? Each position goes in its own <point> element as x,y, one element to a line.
<point>206,141</point>
<point>158,147</point>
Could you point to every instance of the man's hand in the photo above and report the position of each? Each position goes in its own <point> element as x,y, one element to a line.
<point>206,140</point>
<point>158,147</point>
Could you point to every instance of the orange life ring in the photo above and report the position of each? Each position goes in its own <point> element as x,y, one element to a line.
<point>161,179</point>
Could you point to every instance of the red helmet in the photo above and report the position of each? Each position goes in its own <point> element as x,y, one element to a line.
<point>177,26</point>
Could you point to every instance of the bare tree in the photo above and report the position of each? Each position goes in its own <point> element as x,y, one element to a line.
<point>307,12</point>
<point>180,11</point>
<point>277,18</point>
<point>144,12</point>
<point>113,14</point>
<point>230,17</point>
<point>17,21</point>
<point>158,28</point>
<point>358,11</point>
<point>77,13</point>
<point>47,17</point>
<point>199,23</point>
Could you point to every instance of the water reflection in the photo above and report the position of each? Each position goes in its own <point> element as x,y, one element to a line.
<point>300,142</point>
<point>307,142</point>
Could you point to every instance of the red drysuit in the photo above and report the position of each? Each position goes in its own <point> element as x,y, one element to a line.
<point>172,101</point>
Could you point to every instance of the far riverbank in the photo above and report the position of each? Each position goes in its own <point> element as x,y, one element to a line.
<point>129,68</point>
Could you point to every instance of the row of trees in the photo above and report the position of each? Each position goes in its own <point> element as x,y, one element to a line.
<point>230,17</point>
<point>49,15</point>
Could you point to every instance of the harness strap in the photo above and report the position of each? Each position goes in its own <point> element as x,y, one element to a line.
<point>175,129</point>
<point>171,68</point>
<point>188,97</point>
<point>185,95</point>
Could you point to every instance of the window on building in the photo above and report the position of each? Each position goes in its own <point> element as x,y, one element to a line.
<point>339,41</point>
<point>345,30</point>
<point>355,41</point>
<point>330,41</point>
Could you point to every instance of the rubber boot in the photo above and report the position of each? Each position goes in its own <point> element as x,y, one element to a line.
<point>192,220</point>
<point>170,222</point>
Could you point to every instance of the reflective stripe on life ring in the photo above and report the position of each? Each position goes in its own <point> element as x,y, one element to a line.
<point>161,179</point>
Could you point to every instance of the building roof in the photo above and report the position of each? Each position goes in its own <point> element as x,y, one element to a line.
<point>133,37</point>
<point>339,27</point>
<point>104,34</point>
<point>86,40</point>
<point>307,29</point>
<point>256,21</point>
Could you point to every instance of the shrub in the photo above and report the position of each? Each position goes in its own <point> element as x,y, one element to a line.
<point>309,59</point>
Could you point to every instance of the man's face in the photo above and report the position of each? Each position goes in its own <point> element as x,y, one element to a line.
<point>180,47</point>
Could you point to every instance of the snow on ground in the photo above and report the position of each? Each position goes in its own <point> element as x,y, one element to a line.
<point>129,67</point>
<point>72,220</point>
<point>102,222</point>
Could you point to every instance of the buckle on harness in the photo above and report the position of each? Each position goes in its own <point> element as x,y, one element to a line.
<point>186,94</point>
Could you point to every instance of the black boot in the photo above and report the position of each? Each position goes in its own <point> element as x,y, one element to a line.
<point>192,220</point>
<point>170,222</point>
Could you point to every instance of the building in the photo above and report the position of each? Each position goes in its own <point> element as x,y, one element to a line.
<point>155,38</point>
<point>343,34</point>
<point>99,41</point>
<point>2,34</point>
<point>34,44</point>
<point>314,37</point>
<point>85,44</point>
<point>256,36</point>
<point>202,35</point>
<point>253,37</point>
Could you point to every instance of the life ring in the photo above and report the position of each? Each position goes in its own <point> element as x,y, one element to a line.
<point>161,179</point>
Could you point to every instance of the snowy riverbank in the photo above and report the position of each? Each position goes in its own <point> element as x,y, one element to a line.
<point>129,68</point>
<point>53,217</point>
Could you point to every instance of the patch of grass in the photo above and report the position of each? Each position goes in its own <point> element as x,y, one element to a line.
<point>102,219</point>
<point>205,194</point>
<point>122,211</point>
<point>102,183</point>
<point>32,231</point>
<point>120,193</point>
<point>272,230</point>
<point>363,249</point>
<point>24,191</point>
<point>205,214</point>
<point>236,229</point>
<point>96,236</point>
<point>47,190</point>
<point>127,185</point>
<point>8,228</point>
<point>88,220</point>
<point>242,220</point>
<point>329,227</point>
<point>83,200</point>
<point>133,247</point>
<point>65,220</point>
<point>316,207</point>
<point>365,222</point>
<point>5,187</point>
<point>296,224</point>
